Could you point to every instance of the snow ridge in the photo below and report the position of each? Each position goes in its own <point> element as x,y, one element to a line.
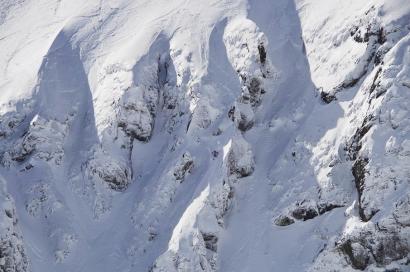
<point>204,135</point>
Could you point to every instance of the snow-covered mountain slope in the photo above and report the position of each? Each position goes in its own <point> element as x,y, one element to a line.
<point>187,135</point>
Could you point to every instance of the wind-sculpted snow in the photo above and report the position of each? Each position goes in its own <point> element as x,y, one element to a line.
<point>234,135</point>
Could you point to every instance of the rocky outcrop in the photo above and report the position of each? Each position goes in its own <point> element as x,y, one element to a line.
<point>242,115</point>
<point>302,211</point>
<point>381,244</point>
<point>188,107</point>
<point>44,140</point>
<point>373,239</point>
<point>115,173</point>
<point>194,244</point>
<point>239,158</point>
<point>248,55</point>
<point>12,120</point>
<point>379,39</point>
<point>136,120</point>
<point>184,167</point>
<point>13,256</point>
<point>283,220</point>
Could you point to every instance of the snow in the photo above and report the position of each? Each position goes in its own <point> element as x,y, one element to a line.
<point>187,135</point>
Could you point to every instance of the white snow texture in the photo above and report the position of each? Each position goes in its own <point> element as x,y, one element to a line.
<point>193,135</point>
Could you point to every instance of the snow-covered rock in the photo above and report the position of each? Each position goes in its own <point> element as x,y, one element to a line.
<point>184,168</point>
<point>135,118</point>
<point>13,256</point>
<point>115,173</point>
<point>248,135</point>
<point>44,140</point>
<point>243,116</point>
<point>238,157</point>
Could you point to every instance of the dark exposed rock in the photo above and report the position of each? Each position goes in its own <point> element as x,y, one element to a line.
<point>359,165</point>
<point>8,213</point>
<point>185,167</point>
<point>358,256</point>
<point>381,36</point>
<point>116,174</point>
<point>239,171</point>
<point>371,30</point>
<point>373,247</point>
<point>231,113</point>
<point>350,82</point>
<point>359,174</point>
<point>283,220</point>
<point>376,81</point>
<point>379,55</point>
<point>327,97</point>
<point>354,144</point>
<point>211,241</point>
<point>240,161</point>
<point>136,121</point>
<point>20,157</point>
<point>243,124</point>
<point>304,213</point>
<point>12,256</point>
<point>188,124</point>
<point>389,247</point>
<point>262,53</point>
<point>115,182</point>
<point>242,115</point>
<point>254,88</point>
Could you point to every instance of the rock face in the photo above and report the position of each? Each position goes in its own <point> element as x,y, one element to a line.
<point>246,47</point>
<point>13,255</point>
<point>372,237</point>
<point>44,140</point>
<point>136,121</point>
<point>191,136</point>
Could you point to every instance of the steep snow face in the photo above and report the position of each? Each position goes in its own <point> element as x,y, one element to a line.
<point>361,81</point>
<point>213,135</point>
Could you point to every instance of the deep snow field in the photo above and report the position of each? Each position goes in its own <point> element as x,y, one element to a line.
<point>218,135</point>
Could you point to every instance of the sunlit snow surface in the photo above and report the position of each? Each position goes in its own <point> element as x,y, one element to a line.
<point>189,135</point>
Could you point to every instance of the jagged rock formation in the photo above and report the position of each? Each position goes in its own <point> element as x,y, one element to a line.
<point>248,135</point>
<point>13,255</point>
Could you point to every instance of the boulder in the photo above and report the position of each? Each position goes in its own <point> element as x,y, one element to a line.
<point>116,174</point>
<point>239,159</point>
